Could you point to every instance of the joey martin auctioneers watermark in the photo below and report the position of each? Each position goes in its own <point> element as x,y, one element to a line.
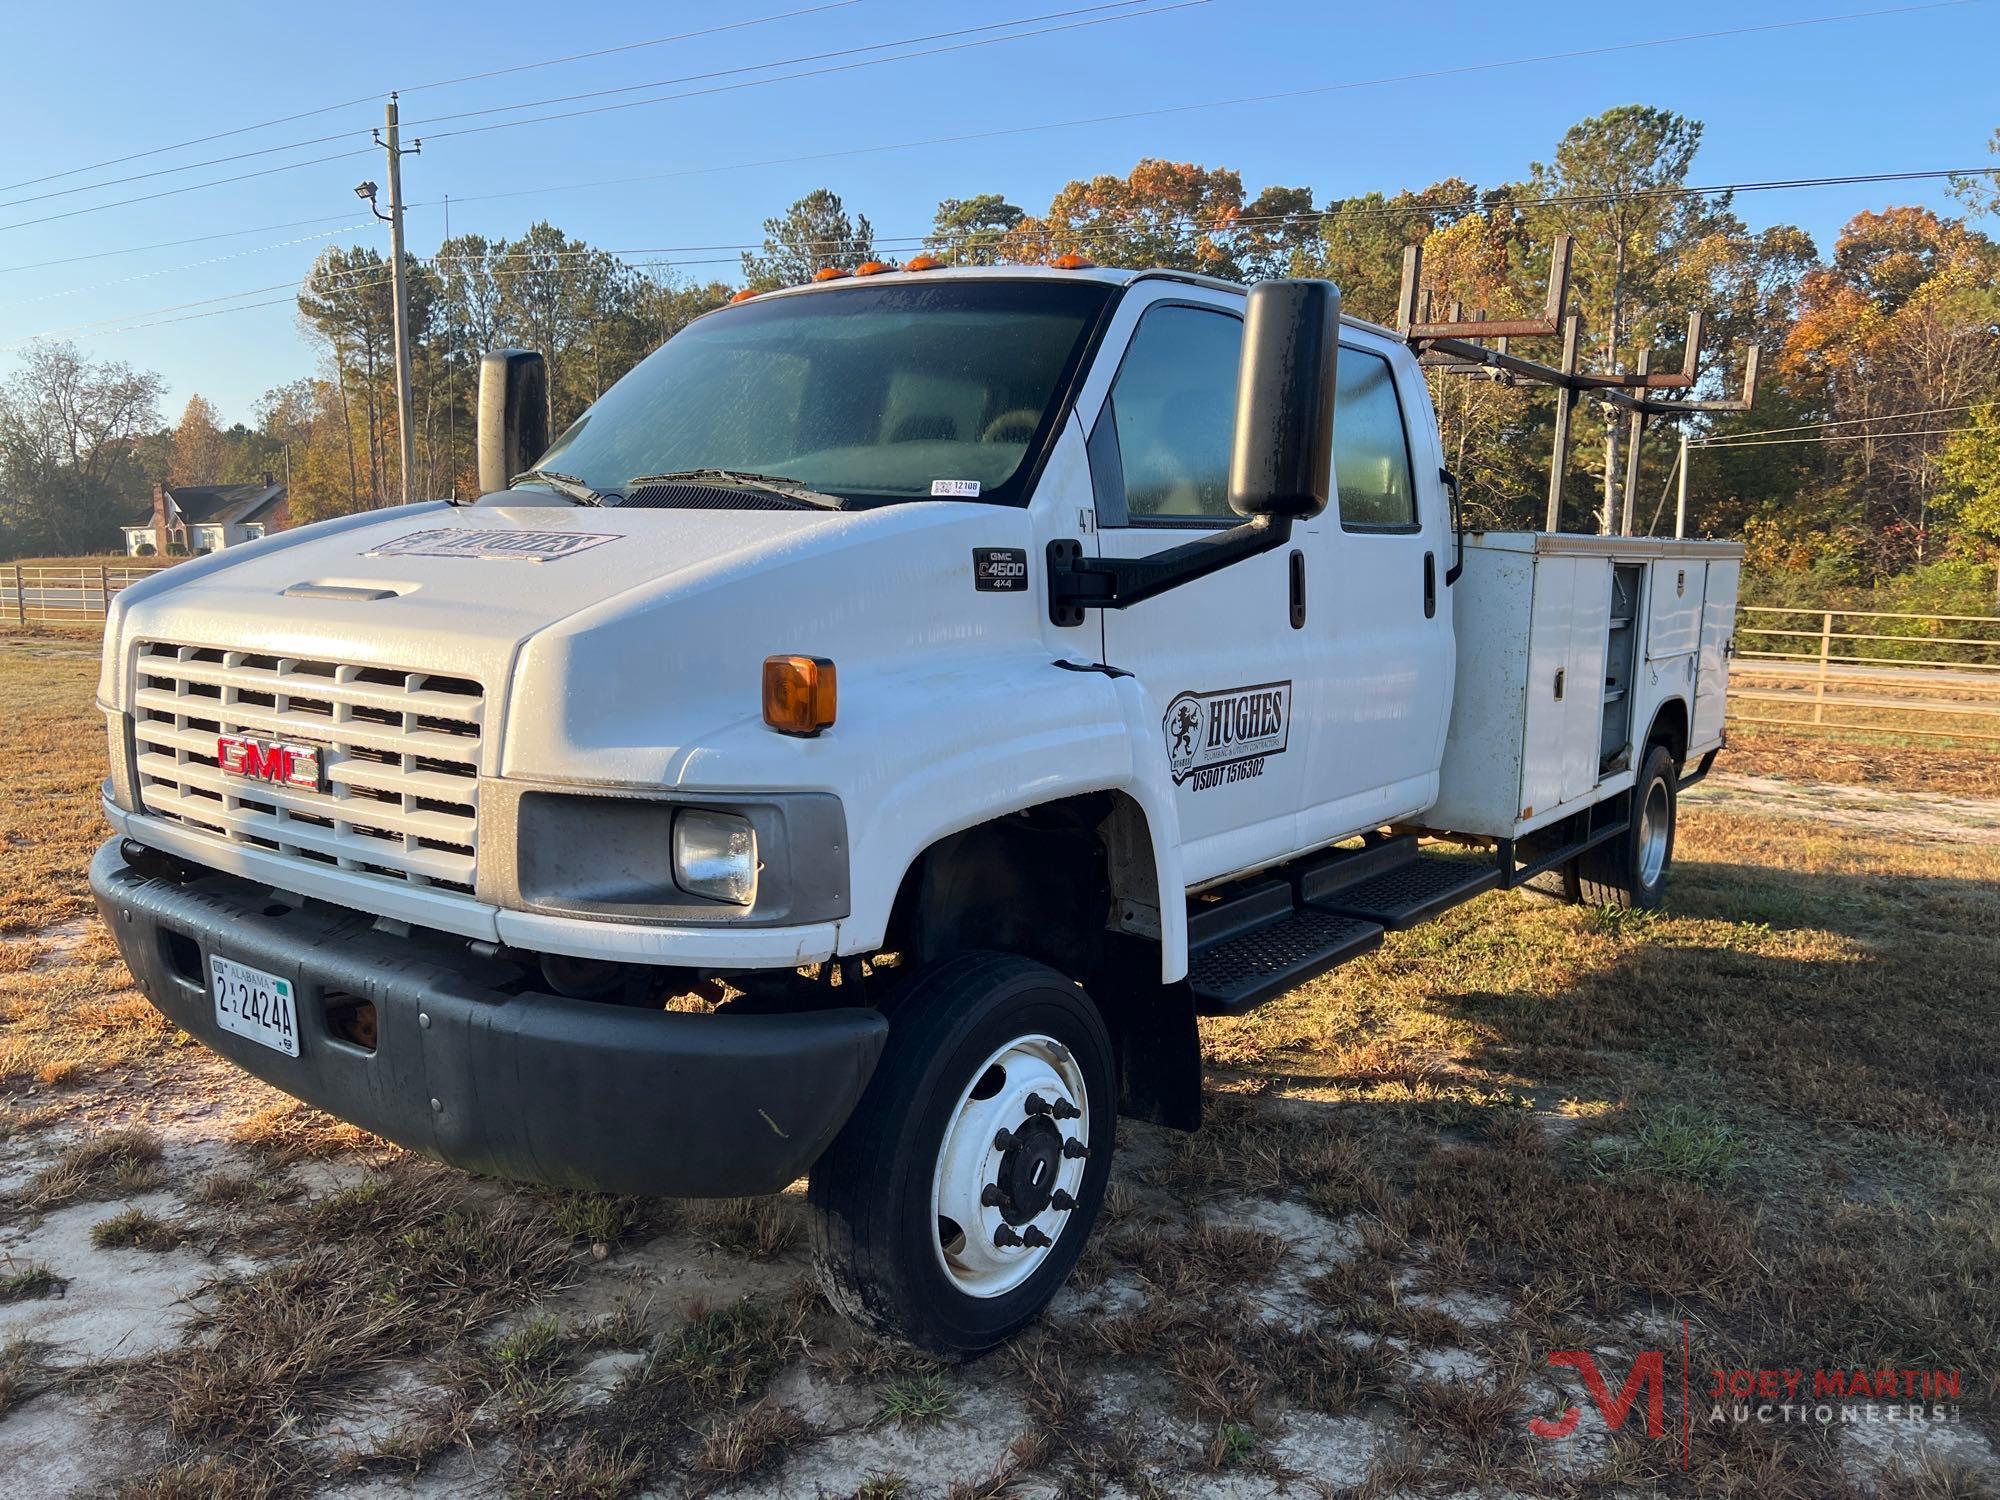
<point>1768,1395</point>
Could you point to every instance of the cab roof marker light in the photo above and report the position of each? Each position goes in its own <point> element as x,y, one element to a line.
<point>874,267</point>
<point>745,295</point>
<point>831,273</point>
<point>922,263</point>
<point>1074,260</point>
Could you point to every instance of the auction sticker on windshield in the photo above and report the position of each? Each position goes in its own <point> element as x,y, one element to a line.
<point>256,1004</point>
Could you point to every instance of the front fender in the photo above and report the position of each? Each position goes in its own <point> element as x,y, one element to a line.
<point>995,740</point>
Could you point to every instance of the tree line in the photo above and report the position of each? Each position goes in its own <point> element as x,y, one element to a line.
<point>1900,315</point>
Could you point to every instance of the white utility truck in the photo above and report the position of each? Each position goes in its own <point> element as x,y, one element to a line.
<point>942,686</point>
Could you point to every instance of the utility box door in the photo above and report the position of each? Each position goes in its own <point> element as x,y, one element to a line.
<point>1673,608</point>
<point>1718,627</point>
<point>1551,685</point>
<point>1583,695</point>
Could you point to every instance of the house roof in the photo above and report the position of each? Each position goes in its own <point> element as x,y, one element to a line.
<point>225,504</point>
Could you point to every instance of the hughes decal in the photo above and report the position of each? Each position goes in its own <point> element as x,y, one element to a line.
<point>1224,736</point>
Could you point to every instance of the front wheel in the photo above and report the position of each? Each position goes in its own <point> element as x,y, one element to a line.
<point>957,1199</point>
<point>1631,870</point>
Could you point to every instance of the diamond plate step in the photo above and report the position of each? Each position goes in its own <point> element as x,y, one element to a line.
<point>1412,891</point>
<point>1261,964</point>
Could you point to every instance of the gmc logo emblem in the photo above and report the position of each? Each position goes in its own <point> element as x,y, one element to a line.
<point>270,760</point>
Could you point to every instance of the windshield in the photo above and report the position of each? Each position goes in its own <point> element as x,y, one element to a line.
<point>871,393</point>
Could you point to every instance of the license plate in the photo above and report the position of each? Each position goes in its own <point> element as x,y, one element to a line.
<point>255,1004</point>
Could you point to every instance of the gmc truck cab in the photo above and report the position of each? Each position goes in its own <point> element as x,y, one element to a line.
<point>864,743</point>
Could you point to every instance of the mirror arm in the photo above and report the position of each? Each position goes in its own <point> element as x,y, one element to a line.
<point>1077,583</point>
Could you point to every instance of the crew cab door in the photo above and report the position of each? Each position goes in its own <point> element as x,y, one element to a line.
<point>1231,677</point>
<point>1380,618</point>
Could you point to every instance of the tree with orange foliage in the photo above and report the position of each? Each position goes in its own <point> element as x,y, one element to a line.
<point>1903,321</point>
<point>1175,215</point>
<point>199,451</point>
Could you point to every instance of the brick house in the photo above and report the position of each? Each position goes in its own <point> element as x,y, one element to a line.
<point>206,517</point>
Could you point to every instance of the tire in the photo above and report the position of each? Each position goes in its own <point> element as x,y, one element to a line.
<point>1630,871</point>
<point>1560,884</point>
<point>977,1039</point>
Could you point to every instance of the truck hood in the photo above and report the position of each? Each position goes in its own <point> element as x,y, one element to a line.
<point>460,590</point>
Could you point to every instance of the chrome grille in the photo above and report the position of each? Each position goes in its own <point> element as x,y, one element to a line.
<point>400,799</point>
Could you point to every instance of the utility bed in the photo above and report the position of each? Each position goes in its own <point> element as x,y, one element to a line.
<point>1567,648</point>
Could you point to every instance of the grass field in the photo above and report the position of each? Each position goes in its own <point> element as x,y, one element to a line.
<point>1766,1119</point>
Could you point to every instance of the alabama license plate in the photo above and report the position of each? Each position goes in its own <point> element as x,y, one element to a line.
<point>255,1004</point>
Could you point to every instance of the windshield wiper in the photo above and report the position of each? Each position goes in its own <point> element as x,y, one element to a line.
<point>777,484</point>
<point>566,485</point>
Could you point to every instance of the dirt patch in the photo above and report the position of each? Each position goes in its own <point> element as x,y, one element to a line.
<point>1891,811</point>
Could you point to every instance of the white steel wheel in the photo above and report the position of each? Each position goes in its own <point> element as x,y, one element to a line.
<point>1656,828</point>
<point>1010,1166</point>
<point>961,1192</point>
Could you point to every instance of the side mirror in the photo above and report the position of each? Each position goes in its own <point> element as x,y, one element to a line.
<point>513,415</point>
<point>1282,462</point>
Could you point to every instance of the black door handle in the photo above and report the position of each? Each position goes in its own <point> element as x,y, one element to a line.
<point>1298,589</point>
<point>1430,586</point>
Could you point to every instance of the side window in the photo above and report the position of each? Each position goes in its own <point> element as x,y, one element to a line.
<point>1174,407</point>
<point>1371,451</point>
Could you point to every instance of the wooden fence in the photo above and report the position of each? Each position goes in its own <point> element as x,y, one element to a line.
<point>1933,677</point>
<point>62,593</point>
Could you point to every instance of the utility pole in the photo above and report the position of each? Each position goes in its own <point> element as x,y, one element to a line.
<point>399,286</point>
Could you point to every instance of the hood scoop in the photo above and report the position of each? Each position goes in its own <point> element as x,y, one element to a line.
<point>359,593</point>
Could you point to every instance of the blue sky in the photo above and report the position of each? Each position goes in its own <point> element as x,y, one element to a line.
<point>1892,92</point>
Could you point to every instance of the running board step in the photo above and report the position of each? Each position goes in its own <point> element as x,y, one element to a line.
<point>1397,886</point>
<point>1249,962</point>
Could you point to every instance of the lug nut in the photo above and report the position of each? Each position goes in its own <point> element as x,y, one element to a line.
<point>1035,1104</point>
<point>1064,1110</point>
<point>1004,1236</point>
<point>1034,1239</point>
<point>1074,1148</point>
<point>1061,1201</point>
<point>1003,1139</point>
<point>990,1195</point>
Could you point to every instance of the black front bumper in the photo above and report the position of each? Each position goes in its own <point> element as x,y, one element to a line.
<point>529,1086</point>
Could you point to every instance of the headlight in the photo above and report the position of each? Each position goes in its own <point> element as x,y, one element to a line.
<point>715,855</point>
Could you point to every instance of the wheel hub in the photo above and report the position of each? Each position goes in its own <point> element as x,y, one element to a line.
<point>1010,1166</point>
<point>1028,1170</point>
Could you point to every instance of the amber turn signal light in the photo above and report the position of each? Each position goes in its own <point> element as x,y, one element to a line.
<point>799,694</point>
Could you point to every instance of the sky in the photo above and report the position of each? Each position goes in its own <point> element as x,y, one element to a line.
<point>1889,88</point>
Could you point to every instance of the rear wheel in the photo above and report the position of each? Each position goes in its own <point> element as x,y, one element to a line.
<point>957,1199</point>
<point>1631,870</point>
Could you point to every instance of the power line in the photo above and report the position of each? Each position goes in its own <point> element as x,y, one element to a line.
<point>873,62</point>
<point>341,135</point>
<point>198,239</point>
<point>191,187</point>
<point>1837,437</point>
<point>193,265</point>
<point>1894,416</point>
<point>1428,74</point>
<point>326,109</point>
<point>504,125</point>
<point>783,62</point>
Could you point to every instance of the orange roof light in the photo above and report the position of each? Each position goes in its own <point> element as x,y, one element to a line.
<point>922,263</point>
<point>831,273</point>
<point>874,267</point>
<point>1073,261</point>
<point>745,295</point>
<point>800,694</point>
